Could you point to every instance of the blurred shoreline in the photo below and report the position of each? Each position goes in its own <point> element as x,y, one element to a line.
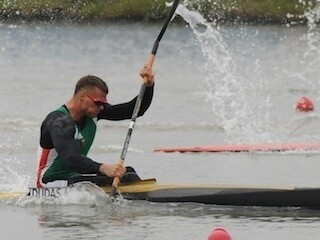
<point>218,11</point>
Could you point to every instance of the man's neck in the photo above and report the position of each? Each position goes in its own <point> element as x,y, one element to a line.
<point>74,110</point>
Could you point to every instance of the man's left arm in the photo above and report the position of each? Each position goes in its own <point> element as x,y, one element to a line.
<point>124,110</point>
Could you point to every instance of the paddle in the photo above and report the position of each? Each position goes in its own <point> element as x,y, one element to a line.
<point>136,109</point>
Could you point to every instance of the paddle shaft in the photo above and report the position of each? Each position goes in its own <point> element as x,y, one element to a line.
<point>137,106</point>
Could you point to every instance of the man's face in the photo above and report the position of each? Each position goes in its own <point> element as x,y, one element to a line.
<point>94,100</point>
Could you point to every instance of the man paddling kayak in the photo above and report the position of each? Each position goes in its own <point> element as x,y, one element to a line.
<point>68,132</point>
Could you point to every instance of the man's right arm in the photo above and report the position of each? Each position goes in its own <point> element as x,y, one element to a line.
<point>58,129</point>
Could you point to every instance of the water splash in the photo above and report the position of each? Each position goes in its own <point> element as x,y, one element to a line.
<point>312,14</point>
<point>223,87</point>
<point>313,41</point>
<point>84,193</point>
<point>245,96</point>
<point>11,180</point>
<point>308,73</point>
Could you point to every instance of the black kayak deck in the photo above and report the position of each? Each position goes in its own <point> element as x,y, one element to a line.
<point>222,194</point>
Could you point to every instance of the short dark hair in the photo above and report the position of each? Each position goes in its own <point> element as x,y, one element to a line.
<point>90,81</point>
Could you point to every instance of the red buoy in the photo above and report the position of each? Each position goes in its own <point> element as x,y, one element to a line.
<point>304,105</point>
<point>219,234</point>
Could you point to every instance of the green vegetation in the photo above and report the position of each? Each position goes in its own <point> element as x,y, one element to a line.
<point>86,10</point>
<point>152,10</point>
<point>254,10</point>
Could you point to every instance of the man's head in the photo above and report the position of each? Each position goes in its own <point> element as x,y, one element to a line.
<point>91,81</point>
<point>91,93</point>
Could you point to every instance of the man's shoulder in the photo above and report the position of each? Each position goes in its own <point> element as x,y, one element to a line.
<point>57,117</point>
<point>58,124</point>
<point>56,114</point>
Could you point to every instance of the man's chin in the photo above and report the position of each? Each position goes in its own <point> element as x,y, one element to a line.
<point>92,115</point>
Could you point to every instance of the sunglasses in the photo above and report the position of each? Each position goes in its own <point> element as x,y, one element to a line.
<point>98,102</point>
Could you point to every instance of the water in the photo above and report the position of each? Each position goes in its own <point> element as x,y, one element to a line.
<point>214,85</point>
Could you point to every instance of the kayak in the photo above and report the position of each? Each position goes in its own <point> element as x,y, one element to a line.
<point>267,147</point>
<point>234,195</point>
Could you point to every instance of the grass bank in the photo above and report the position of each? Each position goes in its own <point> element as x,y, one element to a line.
<point>275,11</point>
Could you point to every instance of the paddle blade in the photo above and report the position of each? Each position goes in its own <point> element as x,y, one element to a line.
<point>115,184</point>
<point>114,192</point>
